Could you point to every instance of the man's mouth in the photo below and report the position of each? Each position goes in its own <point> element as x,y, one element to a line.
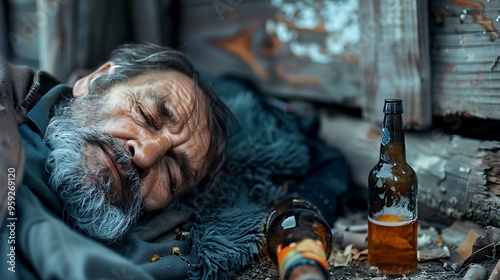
<point>117,194</point>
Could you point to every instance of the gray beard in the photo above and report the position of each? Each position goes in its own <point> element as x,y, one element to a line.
<point>86,193</point>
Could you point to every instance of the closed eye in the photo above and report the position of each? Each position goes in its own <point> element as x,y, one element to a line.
<point>160,104</point>
<point>145,115</point>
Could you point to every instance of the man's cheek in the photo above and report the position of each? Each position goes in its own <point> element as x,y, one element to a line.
<point>156,200</point>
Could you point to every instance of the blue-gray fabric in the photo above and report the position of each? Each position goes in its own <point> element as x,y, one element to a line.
<point>45,246</point>
<point>224,224</point>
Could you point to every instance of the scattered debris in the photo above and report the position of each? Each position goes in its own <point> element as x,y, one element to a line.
<point>446,251</point>
<point>360,255</point>
<point>475,272</point>
<point>440,238</point>
<point>433,254</point>
<point>342,258</point>
<point>465,249</point>
<point>344,238</point>
<point>495,273</point>
<point>484,247</point>
<point>155,257</point>
<point>177,252</point>
<point>424,240</point>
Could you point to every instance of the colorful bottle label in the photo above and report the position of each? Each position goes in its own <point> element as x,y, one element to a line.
<point>307,248</point>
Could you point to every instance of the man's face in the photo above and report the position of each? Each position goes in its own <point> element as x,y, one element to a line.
<point>154,118</point>
<point>140,140</point>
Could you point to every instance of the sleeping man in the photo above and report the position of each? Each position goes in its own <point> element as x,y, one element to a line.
<point>108,172</point>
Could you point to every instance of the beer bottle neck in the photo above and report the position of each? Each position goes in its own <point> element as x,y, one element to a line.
<point>392,146</point>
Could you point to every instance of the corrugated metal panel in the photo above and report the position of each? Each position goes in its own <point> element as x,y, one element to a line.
<point>465,49</point>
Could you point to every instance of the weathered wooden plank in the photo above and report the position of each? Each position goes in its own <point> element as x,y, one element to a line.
<point>249,39</point>
<point>394,62</point>
<point>465,51</point>
<point>458,177</point>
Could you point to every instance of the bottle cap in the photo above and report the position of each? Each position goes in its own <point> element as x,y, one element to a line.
<point>393,106</point>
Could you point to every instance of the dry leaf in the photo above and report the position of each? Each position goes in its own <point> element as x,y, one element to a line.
<point>491,238</point>
<point>465,249</point>
<point>483,247</point>
<point>361,256</point>
<point>343,258</point>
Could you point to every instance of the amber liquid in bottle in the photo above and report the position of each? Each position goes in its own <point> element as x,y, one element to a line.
<point>392,201</point>
<point>298,240</point>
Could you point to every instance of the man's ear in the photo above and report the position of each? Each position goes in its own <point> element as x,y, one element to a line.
<point>82,85</point>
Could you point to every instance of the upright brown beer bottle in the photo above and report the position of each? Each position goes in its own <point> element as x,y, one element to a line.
<point>392,201</point>
<point>299,240</point>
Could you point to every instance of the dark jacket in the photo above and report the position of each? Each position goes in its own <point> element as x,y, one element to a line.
<point>20,88</point>
<point>35,242</point>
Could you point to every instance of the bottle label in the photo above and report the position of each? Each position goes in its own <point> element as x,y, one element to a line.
<point>386,136</point>
<point>307,248</point>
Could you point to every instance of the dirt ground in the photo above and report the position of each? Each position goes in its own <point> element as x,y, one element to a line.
<point>453,234</point>
<point>433,270</point>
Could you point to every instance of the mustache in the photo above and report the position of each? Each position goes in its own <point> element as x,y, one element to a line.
<point>119,154</point>
<point>123,158</point>
<point>85,192</point>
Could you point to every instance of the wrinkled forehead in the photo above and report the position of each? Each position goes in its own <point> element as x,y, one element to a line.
<point>167,82</point>
<point>175,87</point>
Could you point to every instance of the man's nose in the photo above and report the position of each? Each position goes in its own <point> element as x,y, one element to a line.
<point>148,152</point>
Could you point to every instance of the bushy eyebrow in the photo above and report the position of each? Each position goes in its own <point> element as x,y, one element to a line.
<point>160,104</point>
